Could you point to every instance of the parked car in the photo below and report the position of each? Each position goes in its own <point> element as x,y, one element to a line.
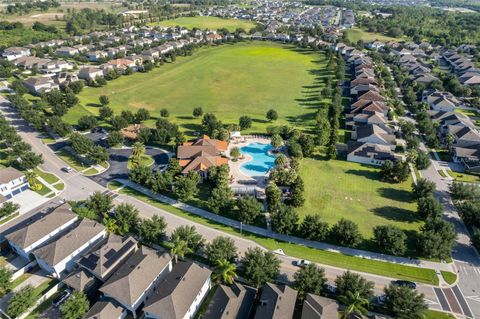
<point>302,263</point>
<point>61,298</point>
<point>405,283</point>
<point>67,169</point>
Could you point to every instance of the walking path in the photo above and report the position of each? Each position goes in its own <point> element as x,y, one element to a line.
<point>286,238</point>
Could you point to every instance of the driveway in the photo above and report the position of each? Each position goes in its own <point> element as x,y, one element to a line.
<point>28,200</point>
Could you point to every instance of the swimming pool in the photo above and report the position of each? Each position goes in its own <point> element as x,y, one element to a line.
<point>261,160</point>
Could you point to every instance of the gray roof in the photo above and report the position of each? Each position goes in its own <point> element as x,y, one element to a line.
<point>132,279</point>
<point>276,302</point>
<point>8,174</point>
<point>177,292</point>
<point>80,280</point>
<point>104,310</point>
<point>108,255</point>
<point>316,307</point>
<point>36,230</point>
<point>61,248</point>
<point>234,302</point>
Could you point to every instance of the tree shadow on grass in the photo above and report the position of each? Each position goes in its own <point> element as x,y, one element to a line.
<point>363,173</point>
<point>94,104</point>
<point>185,117</point>
<point>262,121</point>
<point>400,195</point>
<point>396,214</point>
<point>191,127</point>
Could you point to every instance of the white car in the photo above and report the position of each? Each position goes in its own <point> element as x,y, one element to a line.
<point>67,169</point>
<point>302,263</point>
<point>61,298</point>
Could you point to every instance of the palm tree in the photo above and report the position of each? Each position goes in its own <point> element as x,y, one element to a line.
<point>179,248</point>
<point>225,271</point>
<point>31,177</point>
<point>354,304</point>
<point>110,225</point>
<point>138,149</point>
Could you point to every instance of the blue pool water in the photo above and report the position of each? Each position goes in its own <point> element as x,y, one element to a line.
<point>261,161</point>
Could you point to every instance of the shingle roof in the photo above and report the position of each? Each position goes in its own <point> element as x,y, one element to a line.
<point>138,272</point>
<point>8,174</point>
<point>276,302</point>
<point>80,280</point>
<point>64,246</point>
<point>177,292</point>
<point>104,310</point>
<point>36,230</point>
<point>234,302</point>
<point>317,307</point>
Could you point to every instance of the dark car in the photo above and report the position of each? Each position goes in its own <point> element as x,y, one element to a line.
<point>405,283</point>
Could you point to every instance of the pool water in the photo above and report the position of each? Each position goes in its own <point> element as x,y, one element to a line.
<point>262,161</point>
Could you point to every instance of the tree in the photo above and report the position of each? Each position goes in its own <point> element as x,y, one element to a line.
<point>284,219</point>
<point>104,100</point>
<point>249,209</point>
<point>354,283</point>
<point>272,115</point>
<point>179,248</point>
<point>395,172</point>
<point>235,153</point>
<point>152,230</point>
<point>76,306</point>
<point>313,228</point>
<point>281,160</point>
<point>245,122</point>
<point>276,141</point>
<point>470,212</point>
<point>189,234</point>
<point>80,143</point>
<point>260,266</point>
<point>138,150</point>
<point>274,195</point>
<point>118,122</point>
<point>225,271</point>
<point>404,303</point>
<point>221,248</point>
<point>422,161</point>
<point>99,203</point>
<point>98,154</point>
<point>186,186</point>
<point>197,112</point>
<point>221,199</point>
<point>126,217</point>
<point>105,112</point>
<point>87,122</point>
<point>297,190</point>
<point>429,207</point>
<point>164,112</point>
<point>346,233</point>
<point>142,115</point>
<point>437,239</point>
<point>390,239</point>
<point>21,301</point>
<point>31,178</point>
<point>423,188</point>
<point>115,138</point>
<point>354,304</point>
<point>5,280</point>
<point>309,279</point>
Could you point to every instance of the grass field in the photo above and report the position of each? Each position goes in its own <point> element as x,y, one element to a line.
<point>212,23</point>
<point>464,177</point>
<point>320,256</point>
<point>231,80</point>
<point>337,188</point>
<point>356,34</point>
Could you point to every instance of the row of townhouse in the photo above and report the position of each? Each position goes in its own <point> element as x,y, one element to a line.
<point>457,131</point>
<point>467,72</point>
<point>372,140</point>
<point>127,279</point>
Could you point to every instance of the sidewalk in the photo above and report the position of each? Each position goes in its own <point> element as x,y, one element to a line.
<point>286,238</point>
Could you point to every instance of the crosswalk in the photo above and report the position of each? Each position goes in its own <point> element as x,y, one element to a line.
<point>451,299</point>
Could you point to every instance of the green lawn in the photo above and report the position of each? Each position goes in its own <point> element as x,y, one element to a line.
<point>59,186</point>
<point>91,171</point>
<point>114,185</point>
<point>432,314</point>
<point>449,277</point>
<point>71,160</point>
<point>212,23</point>
<point>44,190</point>
<point>48,177</point>
<point>356,34</point>
<point>145,160</point>
<point>320,256</point>
<point>231,80</point>
<point>337,188</point>
<point>464,177</point>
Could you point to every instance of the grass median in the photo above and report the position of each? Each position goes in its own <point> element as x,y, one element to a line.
<point>320,256</point>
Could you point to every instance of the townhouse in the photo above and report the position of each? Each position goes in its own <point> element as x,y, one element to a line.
<point>12,182</point>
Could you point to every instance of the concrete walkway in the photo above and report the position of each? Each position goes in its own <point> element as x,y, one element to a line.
<point>291,239</point>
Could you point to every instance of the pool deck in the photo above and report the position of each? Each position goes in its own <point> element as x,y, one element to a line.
<point>236,173</point>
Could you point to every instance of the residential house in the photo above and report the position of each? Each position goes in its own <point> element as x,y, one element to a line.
<point>137,277</point>
<point>276,302</point>
<point>108,256</point>
<point>106,309</point>
<point>15,53</point>
<point>12,182</point>
<point>368,153</point>
<point>201,154</point>
<point>317,307</point>
<point>180,294</point>
<point>95,56</point>
<point>89,73</point>
<point>231,302</point>
<point>440,101</point>
<point>40,85</point>
<point>60,254</point>
<point>469,157</point>
<point>64,78</point>
<point>36,233</point>
<point>122,64</point>
<point>66,51</point>
<point>374,134</point>
<point>81,280</point>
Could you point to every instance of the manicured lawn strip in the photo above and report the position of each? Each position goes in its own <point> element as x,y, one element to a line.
<point>19,280</point>
<point>71,160</point>
<point>59,186</point>
<point>90,171</point>
<point>464,177</point>
<point>356,34</point>
<point>449,277</point>
<point>324,257</point>
<point>43,306</point>
<point>442,173</point>
<point>432,314</point>
<point>48,177</point>
<point>212,23</point>
<point>145,160</point>
<point>9,218</point>
<point>44,190</point>
<point>114,185</point>
<point>338,189</point>
<point>44,287</point>
<point>230,80</point>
